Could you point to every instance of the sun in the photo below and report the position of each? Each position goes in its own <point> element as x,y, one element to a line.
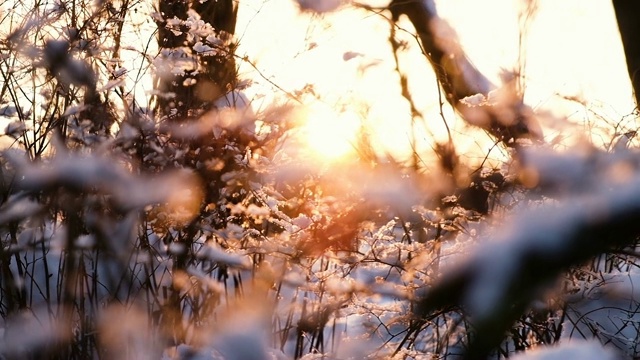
<point>330,135</point>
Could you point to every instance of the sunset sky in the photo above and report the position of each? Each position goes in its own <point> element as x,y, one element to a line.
<point>575,70</point>
<point>573,51</point>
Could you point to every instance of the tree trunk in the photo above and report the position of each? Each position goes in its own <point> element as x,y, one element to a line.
<point>206,75</point>
<point>197,66</point>
<point>627,13</point>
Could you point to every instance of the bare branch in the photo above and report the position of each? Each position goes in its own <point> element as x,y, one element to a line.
<point>500,111</point>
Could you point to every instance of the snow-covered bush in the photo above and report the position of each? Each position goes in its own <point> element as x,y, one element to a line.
<point>186,224</point>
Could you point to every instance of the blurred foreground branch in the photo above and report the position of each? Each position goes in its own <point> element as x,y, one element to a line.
<point>497,284</point>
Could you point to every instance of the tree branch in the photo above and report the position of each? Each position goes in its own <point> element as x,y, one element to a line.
<point>499,111</point>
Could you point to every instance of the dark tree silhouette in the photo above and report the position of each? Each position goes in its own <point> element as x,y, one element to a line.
<point>627,12</point>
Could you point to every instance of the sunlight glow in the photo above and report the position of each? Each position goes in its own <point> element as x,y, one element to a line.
<point>330,135</point>
<point>567,58</point>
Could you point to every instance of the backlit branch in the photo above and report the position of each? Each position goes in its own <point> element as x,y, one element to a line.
<point>497,110</point>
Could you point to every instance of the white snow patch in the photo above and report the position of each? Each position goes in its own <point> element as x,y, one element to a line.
<point>215,253</point>
<point>573,350</point>
<point>203,49</point>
